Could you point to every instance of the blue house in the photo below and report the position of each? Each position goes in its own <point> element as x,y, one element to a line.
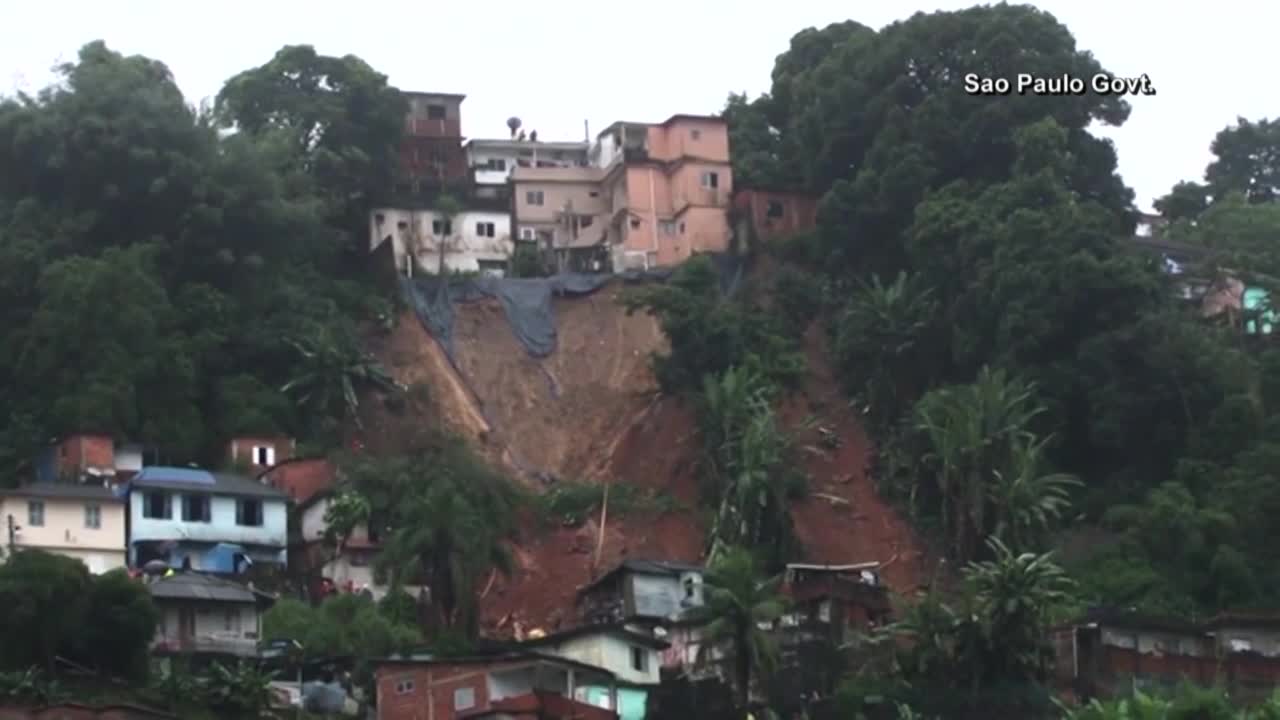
<point>215,522</point>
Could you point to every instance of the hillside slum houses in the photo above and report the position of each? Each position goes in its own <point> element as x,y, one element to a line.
<point>1110,652</point>
<point>635,626</point>
<point>633,197</point>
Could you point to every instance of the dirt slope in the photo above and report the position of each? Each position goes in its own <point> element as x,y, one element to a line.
<point>591,412</point>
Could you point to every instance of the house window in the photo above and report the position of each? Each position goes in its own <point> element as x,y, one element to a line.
<point>231,620</point>
<point>402,225</point>
<point>594,193</point>
<point>695,134</point>
<point>585,221</point>
<point>689,588</point>
<point>667,227</point>
<point>775,209</point>
<point>249,513</point>
<point>635,223</point>
<point>499,164</point>
<point>35,513</point>
<point>527,234</point>
<point>379,218</point>
<point>441,227</point>
<point>264,455</point>
<point>436,112</point>
<point>534,197</point>
<point>485,229</point>
<point>710,180</point>
<point>681,228</point>
<point>464,698</point>
<point>824,611</point>
<point>195,508</point>
<point>639,659</point>
<point>404,686</point>
<point>92,516</point>
<point>155,505</point>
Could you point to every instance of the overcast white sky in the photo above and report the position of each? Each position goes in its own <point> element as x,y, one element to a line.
<point>556,63</point>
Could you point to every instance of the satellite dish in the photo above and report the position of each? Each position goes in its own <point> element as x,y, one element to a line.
<point>513,124</point>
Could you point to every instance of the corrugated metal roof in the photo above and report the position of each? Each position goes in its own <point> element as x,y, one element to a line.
<point>195,586</point>
<point>63,490</point>
<point>645,567</point>
<point>170,478</point>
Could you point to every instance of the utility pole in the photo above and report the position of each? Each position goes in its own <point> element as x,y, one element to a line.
<point>13,535</point>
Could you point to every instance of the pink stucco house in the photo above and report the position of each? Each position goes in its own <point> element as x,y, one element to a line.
<point>653,195</point>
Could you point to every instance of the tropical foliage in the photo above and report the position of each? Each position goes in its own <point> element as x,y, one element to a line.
<point>737,608</point>
<point>444,518</point>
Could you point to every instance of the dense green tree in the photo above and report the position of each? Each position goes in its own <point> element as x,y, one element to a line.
<point>151,265</point>
<point>340,120</point>
<point>447,517</point>
<point>45,597</point>
<point>710,332</point>
<point>54,607</point>
<point>1247,160</point>
<point>119,624</point>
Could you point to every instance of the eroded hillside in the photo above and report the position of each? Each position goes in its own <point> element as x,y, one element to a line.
<point>591,412</point>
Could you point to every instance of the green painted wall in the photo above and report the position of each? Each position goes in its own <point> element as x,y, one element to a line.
<point>631,701</point>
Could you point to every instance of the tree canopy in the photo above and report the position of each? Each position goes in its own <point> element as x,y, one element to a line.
<point>150,264</point>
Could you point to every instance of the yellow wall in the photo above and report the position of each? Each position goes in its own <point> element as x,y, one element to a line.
<point>64,530</point>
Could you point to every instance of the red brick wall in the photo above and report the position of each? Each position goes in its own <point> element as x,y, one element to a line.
<point>242,449</point>
<point>416,158</point>
<point>302,478</point>
<point>559,706</point>
<point>799,212</point>
<point>77,452</point>
<point>432,695</point>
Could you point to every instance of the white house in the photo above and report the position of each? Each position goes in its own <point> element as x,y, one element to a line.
<point>634,658</point>
<point>493,160</point>
<point>472,241</point>
<point>215,522</point>
<point>204,614</point>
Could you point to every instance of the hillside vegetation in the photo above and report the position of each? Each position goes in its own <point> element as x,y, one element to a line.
<point>1030,383</point>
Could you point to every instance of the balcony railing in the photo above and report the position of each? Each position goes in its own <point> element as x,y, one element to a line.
<point>223,644</point>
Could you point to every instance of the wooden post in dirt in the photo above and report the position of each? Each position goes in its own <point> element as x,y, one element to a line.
<point>604,516</point>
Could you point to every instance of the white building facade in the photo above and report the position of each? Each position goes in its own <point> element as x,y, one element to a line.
<point>471,241</point>
<point>493,160</point>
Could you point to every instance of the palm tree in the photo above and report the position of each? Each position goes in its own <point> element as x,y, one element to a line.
<point>330,375</point>
<point>972,432</point>
<point>447,516</point>
<point>1015,595</point>
<point>746,460</point>
<point>737,603</point>
<point>880,345</point>
<point>1026,503</point>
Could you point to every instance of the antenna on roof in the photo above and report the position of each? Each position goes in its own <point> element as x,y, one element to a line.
<point>513,124</point>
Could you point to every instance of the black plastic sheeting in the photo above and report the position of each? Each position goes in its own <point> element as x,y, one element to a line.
<point>526,302</point>
<point>527,305</point>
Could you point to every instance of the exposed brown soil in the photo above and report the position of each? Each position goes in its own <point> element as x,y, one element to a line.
<point>843,519</point>
<point>561,414</point>
<point>606,423</point>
